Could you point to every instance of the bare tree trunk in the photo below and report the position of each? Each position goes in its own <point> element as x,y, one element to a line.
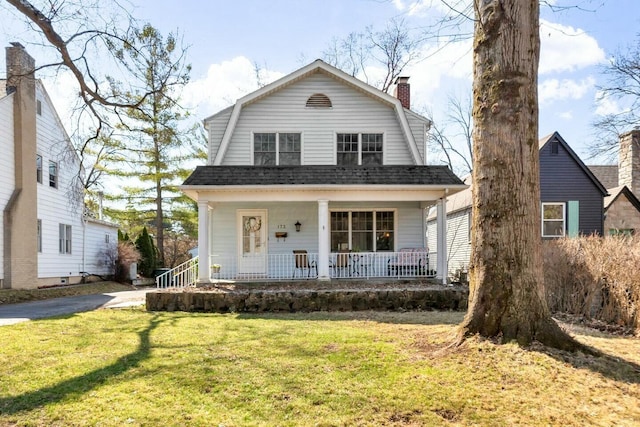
<point>507,293</point>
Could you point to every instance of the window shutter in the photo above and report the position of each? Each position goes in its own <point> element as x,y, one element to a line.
<point>573,218</point>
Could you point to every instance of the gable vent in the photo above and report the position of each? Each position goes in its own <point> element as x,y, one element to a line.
<point>319,100</point>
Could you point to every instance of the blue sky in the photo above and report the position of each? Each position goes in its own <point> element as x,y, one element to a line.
<point>226,38</point>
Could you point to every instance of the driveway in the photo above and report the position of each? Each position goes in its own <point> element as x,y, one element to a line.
<point>16,313</point>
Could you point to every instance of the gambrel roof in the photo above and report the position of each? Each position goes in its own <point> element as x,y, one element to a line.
<point>318,66</point>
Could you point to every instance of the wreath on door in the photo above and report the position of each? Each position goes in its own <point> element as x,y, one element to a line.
<point>252,224</point>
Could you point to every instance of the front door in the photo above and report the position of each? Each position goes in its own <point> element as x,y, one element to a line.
<point>252,244</point>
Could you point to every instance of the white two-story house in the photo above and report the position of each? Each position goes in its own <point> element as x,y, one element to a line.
<point>45,238</point>
<point>322,164</point>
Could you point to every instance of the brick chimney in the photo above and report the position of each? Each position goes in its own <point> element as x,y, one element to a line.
<point>629,161</point>
<point>20,254</point>
<point>403,91</point>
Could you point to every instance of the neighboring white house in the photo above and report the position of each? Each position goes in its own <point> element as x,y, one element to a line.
<point>45,237</point>
<point>322,162</point>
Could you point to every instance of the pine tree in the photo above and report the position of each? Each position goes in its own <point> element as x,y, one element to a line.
<point>154,153</point>
<point>148,253</point>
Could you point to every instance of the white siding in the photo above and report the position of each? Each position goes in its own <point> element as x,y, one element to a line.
<point>418,128</point>
<point>285,111</point>
<point>54,204</point>
<point>224,226</point>
<point>7,169</point>
<point>99,250</point>
<point>409,227</point>
<point>217,125</point>
<point>458,242</point>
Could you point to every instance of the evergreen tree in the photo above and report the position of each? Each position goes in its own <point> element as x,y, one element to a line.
<point>154,153</point>
<point>148,253</point>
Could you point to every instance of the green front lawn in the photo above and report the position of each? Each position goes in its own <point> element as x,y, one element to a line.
<point>131,367</point>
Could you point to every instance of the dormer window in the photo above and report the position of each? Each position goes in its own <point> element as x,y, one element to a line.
<point>319,100</point>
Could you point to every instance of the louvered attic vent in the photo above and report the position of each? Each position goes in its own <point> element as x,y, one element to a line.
<point>319,100</point>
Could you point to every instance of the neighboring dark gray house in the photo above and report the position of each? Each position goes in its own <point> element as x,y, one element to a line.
<point>572,201</point>
<point>571,195</point>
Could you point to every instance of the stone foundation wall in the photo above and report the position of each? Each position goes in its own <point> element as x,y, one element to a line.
<point>306,301</point>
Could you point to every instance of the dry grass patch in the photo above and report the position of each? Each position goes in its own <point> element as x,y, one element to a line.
<point>130,367</point>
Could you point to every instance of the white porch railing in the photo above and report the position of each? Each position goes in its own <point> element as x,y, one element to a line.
<point>186,274</point>
<point>351,265</point>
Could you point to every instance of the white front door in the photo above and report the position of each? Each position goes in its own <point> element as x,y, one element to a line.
<point>252,244</point>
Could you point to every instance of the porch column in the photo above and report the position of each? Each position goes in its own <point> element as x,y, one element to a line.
<point>204,270</point>
<point>441,223</point>
<point>323,240</point>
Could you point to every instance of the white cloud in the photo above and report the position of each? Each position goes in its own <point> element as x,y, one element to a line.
<point>452,64</point>
<point>567,115</point>
<point>424,7</point>
<point>223,85</point>
<point>606,106</point>
<point>565,48</point>
<point>555,90</point>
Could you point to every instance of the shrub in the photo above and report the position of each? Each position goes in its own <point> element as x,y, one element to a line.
<point>594,277</point>
<point>127,255</point>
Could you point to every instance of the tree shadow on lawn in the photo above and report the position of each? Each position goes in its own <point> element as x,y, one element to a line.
<point>81,384</point>
<point>608,365</point>
<point>426,318</point>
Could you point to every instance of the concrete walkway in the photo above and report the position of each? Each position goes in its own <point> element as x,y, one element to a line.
<point>16,313</point>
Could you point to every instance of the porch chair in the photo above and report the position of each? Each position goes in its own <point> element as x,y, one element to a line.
<point>411,262</point>
<point>302,263</point>
<point>342,264</point>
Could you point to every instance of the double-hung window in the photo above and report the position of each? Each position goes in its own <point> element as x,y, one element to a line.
<point>53,174</point>
<point>362,231</point>
<point>39,231</point>
<point>39,168</point>
<point>359,149</point>
<point>65,239</point>
<point>553,219</point>
<point>276,148</point>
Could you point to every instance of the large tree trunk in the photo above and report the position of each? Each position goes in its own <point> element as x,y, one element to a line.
<point>507,294</point>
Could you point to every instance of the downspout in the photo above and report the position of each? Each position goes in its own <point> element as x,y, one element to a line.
<point>84,245</point>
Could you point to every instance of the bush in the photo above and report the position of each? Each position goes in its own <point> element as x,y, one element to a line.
<point>127,255</point>
<point>594,277</point>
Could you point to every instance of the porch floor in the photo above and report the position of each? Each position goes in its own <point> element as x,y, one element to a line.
<point>311,295</point>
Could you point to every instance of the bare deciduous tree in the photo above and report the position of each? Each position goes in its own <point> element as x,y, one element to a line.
<point>507,291</point>
<point>393,48</point>
<point>453,137</point>
<point>622,85</point>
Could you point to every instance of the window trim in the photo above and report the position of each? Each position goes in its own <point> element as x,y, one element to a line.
<point>360,133</point>
<point>39,235</point>
<point>39,166</point>
<point>373,231</point>
<point>54,183</point>
<point>65,239</point>
<point>277,134</point>
<point>563,220</point>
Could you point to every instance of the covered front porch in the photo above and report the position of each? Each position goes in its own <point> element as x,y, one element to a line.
<point>283,223</point>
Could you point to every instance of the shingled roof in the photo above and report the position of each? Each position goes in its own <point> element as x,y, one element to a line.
<point>322,175</point>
